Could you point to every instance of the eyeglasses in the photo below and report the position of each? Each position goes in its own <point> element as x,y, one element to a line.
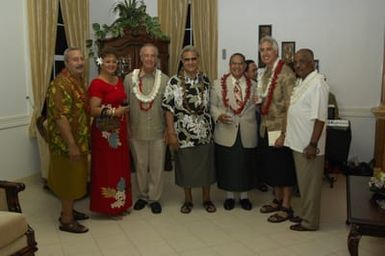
<point>190,59</point>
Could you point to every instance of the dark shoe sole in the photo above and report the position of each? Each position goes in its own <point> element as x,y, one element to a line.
<point>246,204</point>
<point>139,204</point>
<point>229,204</point>
<point>156,208</point>
<point>73,227</point>
<point>299,227</point>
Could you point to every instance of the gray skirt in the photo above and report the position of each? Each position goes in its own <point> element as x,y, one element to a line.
<point>194,166</point>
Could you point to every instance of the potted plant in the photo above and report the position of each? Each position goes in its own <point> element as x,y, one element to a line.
<point>132,17</point>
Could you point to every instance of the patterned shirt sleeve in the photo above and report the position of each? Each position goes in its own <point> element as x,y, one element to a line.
<point>59,101</point>
<point>168,102</point>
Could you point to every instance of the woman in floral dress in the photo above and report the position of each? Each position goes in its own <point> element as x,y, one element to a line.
<point>189,129</point>
<point>110,167</point>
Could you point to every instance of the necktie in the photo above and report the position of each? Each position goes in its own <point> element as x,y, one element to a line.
<point>238,93</point>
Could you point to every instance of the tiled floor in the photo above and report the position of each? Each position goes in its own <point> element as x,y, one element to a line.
<point>171,233</point>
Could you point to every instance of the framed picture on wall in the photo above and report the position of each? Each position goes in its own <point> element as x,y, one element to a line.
<point>288,51</point>
<point>263,30</point>
<point>316,65</point>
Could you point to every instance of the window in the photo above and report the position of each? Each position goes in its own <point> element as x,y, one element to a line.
<point>188,33</point>
<point>61,45</point>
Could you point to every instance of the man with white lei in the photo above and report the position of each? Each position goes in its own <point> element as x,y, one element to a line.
<point>145,88</point>
<point>306,135</point>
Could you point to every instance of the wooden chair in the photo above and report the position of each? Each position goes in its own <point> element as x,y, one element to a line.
<point>20,237</point>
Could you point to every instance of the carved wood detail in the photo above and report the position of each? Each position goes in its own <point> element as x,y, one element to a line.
<point>128,47</point>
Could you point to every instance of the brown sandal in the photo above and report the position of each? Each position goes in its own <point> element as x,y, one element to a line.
<point>186,207</point>
<point>272,207</point>
<point>281,216</point>
<point>209,206</point>
<point>73,227</point>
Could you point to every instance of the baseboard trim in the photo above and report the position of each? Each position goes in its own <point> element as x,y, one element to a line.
<point>363,112</point>
<point>14,121</point>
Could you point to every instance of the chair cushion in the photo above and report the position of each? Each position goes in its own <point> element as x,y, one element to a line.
<point>14,225</point>
<point>14,246</point>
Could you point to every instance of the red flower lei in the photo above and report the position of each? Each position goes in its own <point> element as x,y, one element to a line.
<point>266,104</point>
<point>226,100</point>
<point>141,104</point>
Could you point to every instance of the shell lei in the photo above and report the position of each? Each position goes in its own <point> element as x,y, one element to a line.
<point>301,86</point>
<point>155,89</point>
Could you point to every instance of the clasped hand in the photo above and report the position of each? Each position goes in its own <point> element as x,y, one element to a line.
<point>225,118</point>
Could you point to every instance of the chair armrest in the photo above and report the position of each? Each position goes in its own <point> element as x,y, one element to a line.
<point>11,191</point>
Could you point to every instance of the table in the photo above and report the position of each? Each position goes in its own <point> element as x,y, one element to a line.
<point>364,216</point>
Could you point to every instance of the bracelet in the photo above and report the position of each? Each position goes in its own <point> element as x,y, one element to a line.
<point>103,113</point>
<point>313,144</point>
<point>113,112</point>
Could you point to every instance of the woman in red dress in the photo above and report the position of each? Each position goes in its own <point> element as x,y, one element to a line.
<point>110,166</point>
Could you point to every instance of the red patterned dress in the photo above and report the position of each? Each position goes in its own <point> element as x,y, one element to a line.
<point>110,163</point>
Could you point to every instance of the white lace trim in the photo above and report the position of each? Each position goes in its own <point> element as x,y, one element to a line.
<point>155,89</point>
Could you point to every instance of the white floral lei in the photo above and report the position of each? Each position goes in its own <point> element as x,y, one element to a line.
<point>155,89</point>
<point>301,86</point>
<point>260,91</point>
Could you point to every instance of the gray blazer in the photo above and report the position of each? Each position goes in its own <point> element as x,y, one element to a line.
<point>245,122</point>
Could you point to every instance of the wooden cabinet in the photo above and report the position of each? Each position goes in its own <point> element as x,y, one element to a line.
<point>128,47</point>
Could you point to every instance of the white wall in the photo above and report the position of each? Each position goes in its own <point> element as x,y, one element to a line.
<point>346,36</point>
<point>18,155</point>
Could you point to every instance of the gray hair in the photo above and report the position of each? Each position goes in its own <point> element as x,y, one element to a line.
<point>149,45</point>
<point>68,50</point>
<point>189,48</point>
<point>270,40</point>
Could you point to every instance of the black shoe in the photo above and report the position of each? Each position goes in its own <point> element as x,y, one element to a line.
<point>139,204</point>
<point>80,215</point>
<point>229,204</point>
<point>156,207</point>
<point>262,187</point>
<point>246,204</point>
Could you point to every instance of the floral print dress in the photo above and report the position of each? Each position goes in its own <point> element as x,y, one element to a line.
<point>110,163</point>
<point>188,100</point>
